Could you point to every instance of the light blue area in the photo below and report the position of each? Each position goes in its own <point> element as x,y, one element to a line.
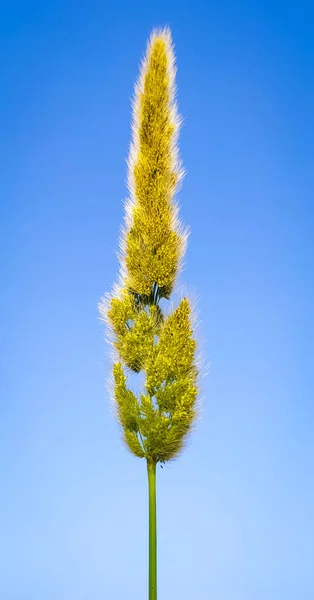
<point>236,510</point>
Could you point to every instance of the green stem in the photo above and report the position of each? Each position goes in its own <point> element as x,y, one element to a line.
<point>152,583</point>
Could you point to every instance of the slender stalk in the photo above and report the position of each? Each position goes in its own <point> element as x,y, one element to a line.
<point>152,578</point>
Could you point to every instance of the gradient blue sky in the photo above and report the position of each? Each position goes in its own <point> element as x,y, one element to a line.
<point>236,511</point>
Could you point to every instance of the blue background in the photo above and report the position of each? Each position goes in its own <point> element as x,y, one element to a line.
<point>236,510</point>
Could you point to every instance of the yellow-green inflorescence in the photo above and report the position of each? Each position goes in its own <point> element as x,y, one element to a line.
<point>155,422</point>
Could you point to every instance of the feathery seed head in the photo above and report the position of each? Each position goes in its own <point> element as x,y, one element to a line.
<point>152,246</point>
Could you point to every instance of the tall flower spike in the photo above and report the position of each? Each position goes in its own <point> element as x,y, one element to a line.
<point>154,425</point>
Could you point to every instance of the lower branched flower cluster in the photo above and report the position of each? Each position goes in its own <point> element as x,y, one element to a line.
<point>154,424</point>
